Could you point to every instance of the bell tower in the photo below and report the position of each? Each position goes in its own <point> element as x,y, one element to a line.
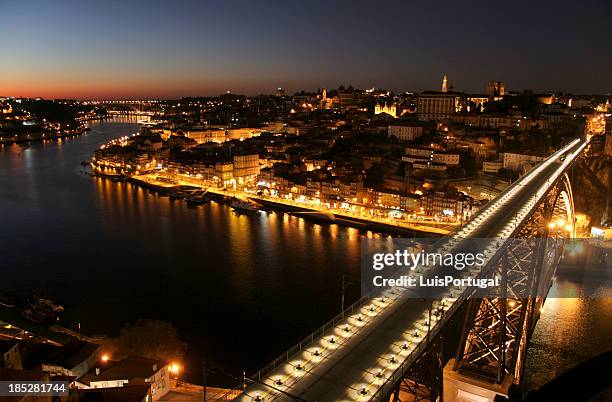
<point>445,84</point>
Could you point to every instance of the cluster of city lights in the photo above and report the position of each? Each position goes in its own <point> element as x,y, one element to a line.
<point>122,141</point>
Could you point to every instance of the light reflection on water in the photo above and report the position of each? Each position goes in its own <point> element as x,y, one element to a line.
<point>570,331</point>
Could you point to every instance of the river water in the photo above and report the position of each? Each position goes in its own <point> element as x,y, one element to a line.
<point>240,289</point>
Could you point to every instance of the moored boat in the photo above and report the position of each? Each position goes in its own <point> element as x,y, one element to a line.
<point>243,206</point>
<point>36,316</point>
<point>41,310</point>
<point>46,305</point>
<point>7,301</point>
<point>177,195</point>
<point>198,197</point>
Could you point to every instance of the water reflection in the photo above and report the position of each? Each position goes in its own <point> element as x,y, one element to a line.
<point>570,331</point>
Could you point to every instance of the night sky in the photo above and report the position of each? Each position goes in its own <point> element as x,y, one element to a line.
<point>165,49</point>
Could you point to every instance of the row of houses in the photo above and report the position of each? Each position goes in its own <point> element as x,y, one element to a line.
<point>351,193</point>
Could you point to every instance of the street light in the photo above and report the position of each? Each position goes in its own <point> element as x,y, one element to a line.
<point>174,368</point>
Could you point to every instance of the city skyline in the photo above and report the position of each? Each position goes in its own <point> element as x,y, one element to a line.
<point>150,50</point>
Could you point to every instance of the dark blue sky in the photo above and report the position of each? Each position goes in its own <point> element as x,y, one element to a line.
<point>177,48</point>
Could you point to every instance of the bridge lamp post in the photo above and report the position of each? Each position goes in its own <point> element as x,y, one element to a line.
<point>429,304</point>
<point>346,282</point>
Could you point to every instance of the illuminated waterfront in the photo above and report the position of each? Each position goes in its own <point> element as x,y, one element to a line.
<point>217,275</point>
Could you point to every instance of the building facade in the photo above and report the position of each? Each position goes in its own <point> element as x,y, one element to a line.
<point>433,105</point>
<point>405,132</point>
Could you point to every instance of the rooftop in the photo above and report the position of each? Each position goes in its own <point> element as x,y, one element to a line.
<point>129,368</point>
<point>131,393</point>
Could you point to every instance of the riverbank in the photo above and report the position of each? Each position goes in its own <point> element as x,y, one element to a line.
<point>348,220</point>
<point>18,140</point>
<point>386,226</point>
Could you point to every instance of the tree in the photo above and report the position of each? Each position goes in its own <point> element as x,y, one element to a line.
<point>375,176</point>
<point>154,339</point>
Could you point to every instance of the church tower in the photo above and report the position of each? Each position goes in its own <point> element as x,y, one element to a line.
<point>445,84</point>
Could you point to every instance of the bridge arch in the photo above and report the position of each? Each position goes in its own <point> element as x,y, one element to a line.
<point>498,327</point>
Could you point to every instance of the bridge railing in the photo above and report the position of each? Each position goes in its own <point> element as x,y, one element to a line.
<point>230,395</point>
<point>309,340</point>
<point>302,345</point>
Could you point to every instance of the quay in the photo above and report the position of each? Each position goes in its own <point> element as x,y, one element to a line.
<point>387,226</point>
<point>21,140</point>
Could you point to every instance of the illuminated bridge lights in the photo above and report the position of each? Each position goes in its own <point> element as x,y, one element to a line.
<point>297,368</point>
<point>293,370</point>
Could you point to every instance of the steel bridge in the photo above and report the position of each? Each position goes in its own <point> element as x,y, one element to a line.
<point>388,347</point>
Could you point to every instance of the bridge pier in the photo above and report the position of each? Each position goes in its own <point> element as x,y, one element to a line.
<point>423,382</point>
<point>459,387</point>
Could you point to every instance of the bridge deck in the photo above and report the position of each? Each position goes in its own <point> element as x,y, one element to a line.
<point>360,360</point>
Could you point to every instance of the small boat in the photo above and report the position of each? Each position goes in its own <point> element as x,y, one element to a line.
<point>198,197</point>
<point>32,316</point>
<point>37,317</point>
<point>194,199</point>
<point>42,310</point>
<point>7,301</point>
<point>243,206</point>
<point>46,305</point>
<point>176,195</point>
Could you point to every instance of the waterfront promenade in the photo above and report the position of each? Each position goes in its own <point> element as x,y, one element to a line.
<point>340,216</point>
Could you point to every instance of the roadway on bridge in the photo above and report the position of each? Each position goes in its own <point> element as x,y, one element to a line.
<point>369,350</point>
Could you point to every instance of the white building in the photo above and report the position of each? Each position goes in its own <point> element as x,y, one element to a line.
<point>491,166</point>
<point>220,135</point>
<point>518,162</point>
<point>447,158</point>
<point>418,154</point>
<point>384,108</point>
<point>203,136</point>
<point>130,370</point>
